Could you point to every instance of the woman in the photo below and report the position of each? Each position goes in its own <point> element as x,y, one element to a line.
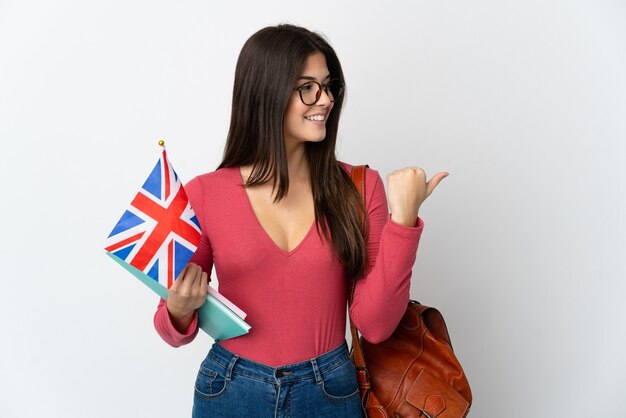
<point>280,223</point>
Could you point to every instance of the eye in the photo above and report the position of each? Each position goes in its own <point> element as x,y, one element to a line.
<point>306,87</point>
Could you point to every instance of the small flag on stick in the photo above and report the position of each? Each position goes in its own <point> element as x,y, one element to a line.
<point>159,232</point>
<point>156,237</point>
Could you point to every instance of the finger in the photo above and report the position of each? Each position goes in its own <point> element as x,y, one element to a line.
<point>198,275</point>
<point>199,288</point>
<point>193,275</point>
<point>181,276</point>
<point>434,181</point>
<point>179,280</point>
<point>204,283</point>
<point>187,279</point>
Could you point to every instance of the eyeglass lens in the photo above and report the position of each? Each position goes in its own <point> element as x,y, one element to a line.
<point>310,92</point>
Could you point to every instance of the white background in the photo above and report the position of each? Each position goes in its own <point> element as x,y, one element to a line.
<point>524,244</point>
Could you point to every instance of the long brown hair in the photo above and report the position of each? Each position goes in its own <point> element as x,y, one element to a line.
<point>268,66</point>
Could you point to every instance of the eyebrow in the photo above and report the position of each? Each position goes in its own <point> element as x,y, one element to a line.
<point>306,77</point>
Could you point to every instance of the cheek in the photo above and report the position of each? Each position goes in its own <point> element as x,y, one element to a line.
<point>294,113</point>
<point>293,119</point>
<point>293,123</point>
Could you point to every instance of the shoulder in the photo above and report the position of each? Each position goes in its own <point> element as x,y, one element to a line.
<point>372,176</point>
<point>375,195</point>
<point>213,181</point>
<point>214,178</point>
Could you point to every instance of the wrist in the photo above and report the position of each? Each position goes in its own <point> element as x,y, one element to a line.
<point>180,321</point>
<point>409,221</point>
<point>178,313</point>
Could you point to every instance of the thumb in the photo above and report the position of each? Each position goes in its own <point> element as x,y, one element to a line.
<point>434,181</point>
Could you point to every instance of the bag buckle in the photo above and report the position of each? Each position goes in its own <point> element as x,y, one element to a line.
<point>367,373</point>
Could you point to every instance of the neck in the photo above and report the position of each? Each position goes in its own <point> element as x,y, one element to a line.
<point>297,164</point>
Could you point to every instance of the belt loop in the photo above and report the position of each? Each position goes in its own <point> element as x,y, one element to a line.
<point>231,365</point>
<point>316,372</point>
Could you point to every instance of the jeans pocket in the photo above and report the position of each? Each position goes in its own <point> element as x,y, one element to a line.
<point>211,380</point>
<point>340,384</point>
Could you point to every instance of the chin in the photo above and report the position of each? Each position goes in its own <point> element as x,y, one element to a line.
<point>319,136</point>
<point>317,139</point>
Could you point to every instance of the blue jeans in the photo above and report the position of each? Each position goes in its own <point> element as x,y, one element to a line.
<point>232,386</point>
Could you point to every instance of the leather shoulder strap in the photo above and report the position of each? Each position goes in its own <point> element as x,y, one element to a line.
<point>358,177</point>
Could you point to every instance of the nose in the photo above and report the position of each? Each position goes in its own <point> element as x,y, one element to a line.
<point>324,98</point>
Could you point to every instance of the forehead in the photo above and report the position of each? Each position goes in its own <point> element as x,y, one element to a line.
<point>315,66</point>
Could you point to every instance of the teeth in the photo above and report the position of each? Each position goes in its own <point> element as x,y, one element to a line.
<point>315,117</point>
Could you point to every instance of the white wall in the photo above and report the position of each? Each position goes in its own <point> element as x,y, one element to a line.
<point>524,245</point>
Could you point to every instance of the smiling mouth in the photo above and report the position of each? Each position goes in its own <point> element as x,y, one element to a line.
<point>317,118</point>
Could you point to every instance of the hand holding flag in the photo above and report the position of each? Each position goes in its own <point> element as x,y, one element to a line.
<point>188,293</point>
<point>156,237</point>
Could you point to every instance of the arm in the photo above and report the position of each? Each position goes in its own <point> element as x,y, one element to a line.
<point>381,296</point>
<point>164,325</point>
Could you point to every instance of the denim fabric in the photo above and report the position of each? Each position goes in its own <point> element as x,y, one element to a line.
<point>232,386</point>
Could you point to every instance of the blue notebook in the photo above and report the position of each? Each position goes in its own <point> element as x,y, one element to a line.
<point>214,317</point>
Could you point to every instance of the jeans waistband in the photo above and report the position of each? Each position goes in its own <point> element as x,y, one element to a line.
<point>308,369</point>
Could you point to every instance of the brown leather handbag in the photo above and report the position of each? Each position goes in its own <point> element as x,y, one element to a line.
<point>414,373</point>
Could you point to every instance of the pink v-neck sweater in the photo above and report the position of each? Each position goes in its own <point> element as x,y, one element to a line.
<point>296,300</point>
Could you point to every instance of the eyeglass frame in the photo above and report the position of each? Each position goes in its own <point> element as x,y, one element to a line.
<point>319,91</point>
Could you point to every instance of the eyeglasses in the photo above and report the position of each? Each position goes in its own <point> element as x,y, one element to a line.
<point>311,91</point>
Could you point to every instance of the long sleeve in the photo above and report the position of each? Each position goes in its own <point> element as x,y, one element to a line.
<point>381,297</point>
<point>204,258</point>
<point>167,331</point>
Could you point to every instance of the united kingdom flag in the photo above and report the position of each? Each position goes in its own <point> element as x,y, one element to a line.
<point>159,232</point>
